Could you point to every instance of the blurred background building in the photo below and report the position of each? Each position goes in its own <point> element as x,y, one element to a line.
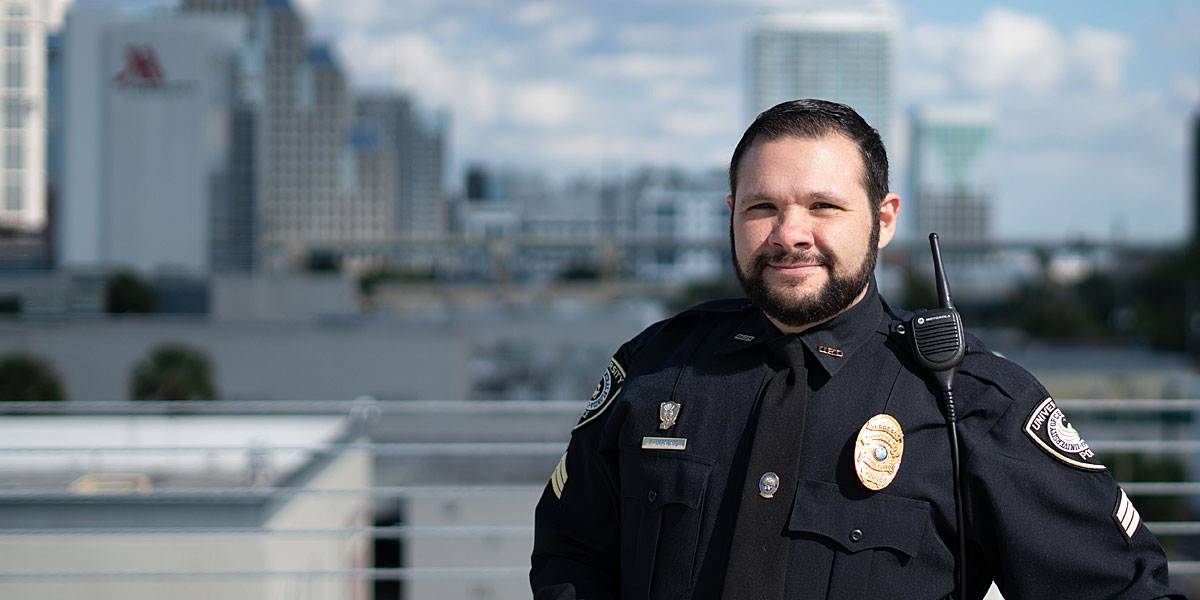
<point>26,105</point>
<point>182,502</point>
<point>148,140</point>
<point>845,54</point>
<point>951,172</point>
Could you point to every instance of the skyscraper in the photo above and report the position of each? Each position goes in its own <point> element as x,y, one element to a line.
<point>949,171</point>
<point>839,54</point>
<point>147,118</point>
<point>316,175</point>
<point>23,80</point>
<point>417,139</point>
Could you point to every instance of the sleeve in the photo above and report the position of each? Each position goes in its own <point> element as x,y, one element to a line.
<point>1046,518</point>
<point>577,520</point>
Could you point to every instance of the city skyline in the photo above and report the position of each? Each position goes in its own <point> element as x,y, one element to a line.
<point>1092,100</point>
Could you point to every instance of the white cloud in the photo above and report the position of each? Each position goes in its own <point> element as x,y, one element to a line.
<point>362,12</point>
<point>1101,55</point>
<point>415,61</point>
<point>649,66</point>
<point>543,104</point>
<point>568,36</point>
<point>1013,50</point>
<point>536,13</point>
<point>646,35</point>
<point>1186,88</point>
<point>692,123</point>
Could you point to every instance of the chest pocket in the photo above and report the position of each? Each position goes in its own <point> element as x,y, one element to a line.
<point>868,545</point>
<point>662,495</point>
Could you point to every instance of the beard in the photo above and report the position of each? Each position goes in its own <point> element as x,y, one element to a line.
<point>838,293</point>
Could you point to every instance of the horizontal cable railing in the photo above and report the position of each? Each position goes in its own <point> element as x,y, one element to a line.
<point>366,410</point>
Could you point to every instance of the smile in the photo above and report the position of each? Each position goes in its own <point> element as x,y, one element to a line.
<point>794,269</point>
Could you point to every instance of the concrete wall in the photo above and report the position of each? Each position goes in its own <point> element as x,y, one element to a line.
<point>337,358</point>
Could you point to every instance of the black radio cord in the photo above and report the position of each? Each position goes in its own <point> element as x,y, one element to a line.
<point>952,420</point>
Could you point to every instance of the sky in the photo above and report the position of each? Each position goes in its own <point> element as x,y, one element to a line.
<point>1093,99</point>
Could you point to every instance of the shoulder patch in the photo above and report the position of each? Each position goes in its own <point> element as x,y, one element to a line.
<point>606,391</point>
<point>1049,429</point>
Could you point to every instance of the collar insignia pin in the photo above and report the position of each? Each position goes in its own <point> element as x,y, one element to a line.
<point>742,337</point>
<point>668,412</point>
<point>829,351</point>
<point>877,451</point>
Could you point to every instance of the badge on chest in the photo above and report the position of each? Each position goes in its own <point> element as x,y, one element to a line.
<point>668,413</point>
<point>877,451</point>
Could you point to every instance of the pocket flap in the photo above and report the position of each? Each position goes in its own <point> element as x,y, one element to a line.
<point>659,478</point>
<point>877,521</point>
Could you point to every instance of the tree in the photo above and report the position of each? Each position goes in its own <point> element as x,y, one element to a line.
<point>128,293</point>
<point>323,261</point>
<point>173,371</point>
<point>28,378</point>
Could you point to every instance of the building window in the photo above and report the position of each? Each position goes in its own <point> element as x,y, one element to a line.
<point>14,114</point>
<point>17,11</point>
<point>14,69</point>
<point>13,192</point>
<point>13,152</point>
<point>14,37</point>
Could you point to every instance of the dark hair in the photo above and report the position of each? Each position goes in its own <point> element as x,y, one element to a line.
<point>810,118</point>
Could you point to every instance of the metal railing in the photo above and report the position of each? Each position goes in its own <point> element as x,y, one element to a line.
<point>536,444</point>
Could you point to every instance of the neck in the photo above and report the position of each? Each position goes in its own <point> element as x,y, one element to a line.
<point>802,328</point>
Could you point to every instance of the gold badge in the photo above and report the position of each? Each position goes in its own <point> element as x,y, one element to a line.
<point>667,413</point>
<point>878,451</point>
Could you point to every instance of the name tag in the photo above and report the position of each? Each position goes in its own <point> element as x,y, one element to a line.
<point>661,443</point>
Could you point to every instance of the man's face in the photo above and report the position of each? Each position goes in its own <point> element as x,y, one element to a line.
<point>803,233</point>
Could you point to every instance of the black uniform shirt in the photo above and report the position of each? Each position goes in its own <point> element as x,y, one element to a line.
<point>635,511</point>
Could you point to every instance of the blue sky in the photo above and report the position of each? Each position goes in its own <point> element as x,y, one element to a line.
<point>1092,98</point>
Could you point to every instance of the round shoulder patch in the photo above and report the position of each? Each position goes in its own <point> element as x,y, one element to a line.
<point>606,392</point>
<point>1049,429</point>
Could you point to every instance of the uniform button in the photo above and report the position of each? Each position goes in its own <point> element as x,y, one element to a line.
<point>652,496</point>
<point>856,535</point>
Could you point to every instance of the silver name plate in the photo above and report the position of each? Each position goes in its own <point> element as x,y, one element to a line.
<point>662,443</point>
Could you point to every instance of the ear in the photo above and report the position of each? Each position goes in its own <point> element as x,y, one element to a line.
<point>729,203</point>
<point>889,212</point>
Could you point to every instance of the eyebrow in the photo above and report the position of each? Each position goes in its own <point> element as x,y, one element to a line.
<point>820,196</point>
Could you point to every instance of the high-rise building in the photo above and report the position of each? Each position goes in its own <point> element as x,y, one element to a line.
<point>147,128</point>
<point>26,24</point>
<point>842,54</point>
<point>312,175</point>
<point>950,171</point>
<point>215,139</point>
<point>418,141</point>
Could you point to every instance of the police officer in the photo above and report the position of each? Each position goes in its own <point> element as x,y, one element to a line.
<point>789,445</point>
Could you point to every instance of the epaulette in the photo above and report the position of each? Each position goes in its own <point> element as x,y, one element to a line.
<point>1006,375</point>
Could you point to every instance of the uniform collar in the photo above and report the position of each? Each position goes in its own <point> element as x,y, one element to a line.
<point>832,342</point>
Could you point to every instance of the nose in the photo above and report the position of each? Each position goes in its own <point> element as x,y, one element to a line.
<point>792,229</point>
